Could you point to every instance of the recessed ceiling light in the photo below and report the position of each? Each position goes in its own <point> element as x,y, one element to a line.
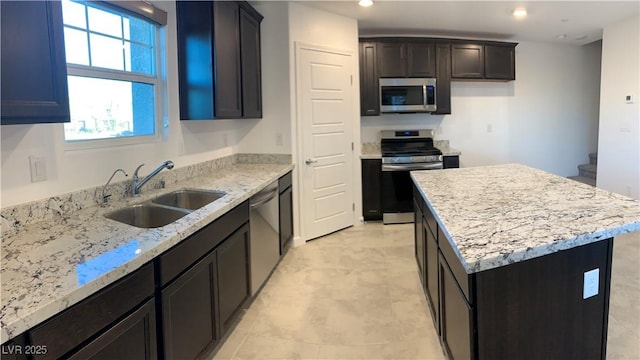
<point>520,12</point>
<point>581,37</point>
<point>561,36</point>
<point>365,3</point>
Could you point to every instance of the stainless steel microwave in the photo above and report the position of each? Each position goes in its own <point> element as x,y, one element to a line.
<point>407,95</point>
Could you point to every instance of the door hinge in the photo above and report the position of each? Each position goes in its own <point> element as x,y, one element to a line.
<point>351,76</point>
<point>353,206</point>
<point>352,146</point>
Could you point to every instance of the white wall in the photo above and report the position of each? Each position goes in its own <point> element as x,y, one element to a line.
<point>546,118</point>
<point>316,27</point>
<point>619,136</point>
<point>184,142</point>
<point>262,136</point>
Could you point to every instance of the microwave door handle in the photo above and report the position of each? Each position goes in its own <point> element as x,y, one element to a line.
<point>424,95</point>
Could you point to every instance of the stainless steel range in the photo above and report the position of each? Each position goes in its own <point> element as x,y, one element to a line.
<point>403,151</point>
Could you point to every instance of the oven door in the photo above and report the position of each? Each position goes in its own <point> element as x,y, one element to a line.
<point>397,191</point>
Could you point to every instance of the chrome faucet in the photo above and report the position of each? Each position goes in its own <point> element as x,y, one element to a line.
<point>137,183</point>
<point>104,197</point>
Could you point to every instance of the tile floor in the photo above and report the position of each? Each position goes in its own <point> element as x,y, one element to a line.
<point>355,294</point>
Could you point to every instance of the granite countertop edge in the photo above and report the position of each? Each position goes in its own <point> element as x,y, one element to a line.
<point>496,260</point>
<point>19,315</point>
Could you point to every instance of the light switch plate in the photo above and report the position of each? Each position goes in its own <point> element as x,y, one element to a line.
<point>38,166</point>
<point>591,279</point>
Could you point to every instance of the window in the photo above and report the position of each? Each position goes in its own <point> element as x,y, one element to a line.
<point>112,62</point>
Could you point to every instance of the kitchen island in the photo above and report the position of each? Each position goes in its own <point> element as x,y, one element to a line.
<point>515,262</point>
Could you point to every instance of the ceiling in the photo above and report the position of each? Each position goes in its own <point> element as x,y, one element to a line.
<point>580,21</point>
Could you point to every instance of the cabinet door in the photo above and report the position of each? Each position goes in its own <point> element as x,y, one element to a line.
<point>443,79</point>
<point>419,241</point>
<point>449,162</point>
<point>228,88</point>
<point>188,312</point>
<point>421,60</point>
<point>369,87</point>
<point>392,60</point>
<point>372,189</point>
<point>286,219</point>
<point>251,65</point>
<point>431,271</point>
<point>467,61</point>
<point>233,276</point>
<point>499,62</point>
<point>456,316</point>
<point>33,66</point>
<point>132,338</point>
<point>195,61</point>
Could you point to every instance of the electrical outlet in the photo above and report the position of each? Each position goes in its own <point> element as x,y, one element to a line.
<point>38,166</point>
<point>279,141</point>
<point>489,128</point>
<point>591,279</point>
<point>629,99</point>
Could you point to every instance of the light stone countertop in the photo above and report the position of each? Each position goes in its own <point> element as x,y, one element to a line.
<point>499,215</point>
<point>49,266</point>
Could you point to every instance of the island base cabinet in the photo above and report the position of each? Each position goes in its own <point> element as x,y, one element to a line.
<point>535,309</point>
<point>132,338</point>
<point>457,326</point>
<point>188,312</point>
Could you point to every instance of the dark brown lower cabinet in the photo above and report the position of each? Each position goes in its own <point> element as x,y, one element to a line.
<point>419,241</point>
<point>132,338</point>
<point>451,162</point>
<point>188,312</point>
<point>372,189</point>
<point>532,309</point>
<point>457,316</point>
<point>431,270</point>
<point>285,204</point>
<point>233,276</point>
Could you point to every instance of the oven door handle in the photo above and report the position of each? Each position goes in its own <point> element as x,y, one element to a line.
<point>409,167</point>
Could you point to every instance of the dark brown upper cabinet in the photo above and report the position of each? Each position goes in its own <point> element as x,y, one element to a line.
<point>219,65</point>
<point>500,62</point>
<point>33,65</point>
<point>406,59</point>
<point>443,79</point>
<point>483,61</point>
<point>369,93</point>
<point>467,61</point>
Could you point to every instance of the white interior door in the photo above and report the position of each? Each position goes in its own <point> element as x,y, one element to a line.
<point>325,117</point>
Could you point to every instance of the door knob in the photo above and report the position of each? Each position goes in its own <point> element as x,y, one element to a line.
<point>309,161</point>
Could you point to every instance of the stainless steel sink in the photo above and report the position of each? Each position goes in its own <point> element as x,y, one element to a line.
<point>191,199</point>
<point>147,215</point>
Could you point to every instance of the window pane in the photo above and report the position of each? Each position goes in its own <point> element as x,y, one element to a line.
<point>75,44</point>
<point>125,28</point>
<point>102,108</point>
<point>106,52</point>
<point>73,14</point>
<point>142,31</point>
<point>141,59</point>
<point>105,22</point>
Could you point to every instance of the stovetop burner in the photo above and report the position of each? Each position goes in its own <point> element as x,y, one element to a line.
<point>408,146</point>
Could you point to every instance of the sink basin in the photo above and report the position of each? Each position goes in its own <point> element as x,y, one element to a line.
<point>146,215</point>
<point>188,198</point>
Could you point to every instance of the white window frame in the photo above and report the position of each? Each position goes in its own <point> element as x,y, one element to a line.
<point>110,74</point>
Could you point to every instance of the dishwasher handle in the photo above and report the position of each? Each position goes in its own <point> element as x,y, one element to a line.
<point>263,197</point>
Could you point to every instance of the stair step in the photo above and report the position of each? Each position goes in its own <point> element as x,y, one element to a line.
<point>593,158</point>
<point>583,180</point>
<point>588,170</point>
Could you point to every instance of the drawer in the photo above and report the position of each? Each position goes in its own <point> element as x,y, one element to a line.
<point>75,325</point>
<point>284,182</point>
<point>177,259</point>
<point>464,280</point>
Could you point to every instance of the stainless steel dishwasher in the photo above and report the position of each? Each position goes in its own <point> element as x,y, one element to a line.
<point>265,235</point>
